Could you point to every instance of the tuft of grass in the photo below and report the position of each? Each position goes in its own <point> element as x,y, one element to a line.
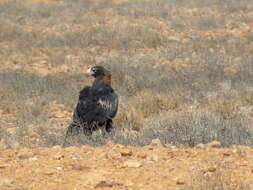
<point>226,108</point>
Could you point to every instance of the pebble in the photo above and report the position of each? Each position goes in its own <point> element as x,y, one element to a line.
<point>126,152</point>
<point>214,144</point>
<point>200,146</point>
<point>142,155</point>
<point>156,142</point>
<point>79,167</point>
<point>113,154</point>
<point>132,164</point>
<point>5,181</point>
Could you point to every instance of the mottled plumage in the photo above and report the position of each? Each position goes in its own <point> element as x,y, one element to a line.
<point>97,105</point>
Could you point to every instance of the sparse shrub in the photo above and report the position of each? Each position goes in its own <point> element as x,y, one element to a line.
<point>129,116</point>
<point>192,128</point>
<point>150,103</point>
<point>226,108</point>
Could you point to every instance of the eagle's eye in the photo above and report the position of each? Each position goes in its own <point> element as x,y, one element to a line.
<point>94,70</point>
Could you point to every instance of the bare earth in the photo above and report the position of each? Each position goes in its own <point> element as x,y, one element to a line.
<point>118,167</point>
<point>203,48</point>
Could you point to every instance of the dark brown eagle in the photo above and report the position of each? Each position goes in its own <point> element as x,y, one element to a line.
<point>97,105</point>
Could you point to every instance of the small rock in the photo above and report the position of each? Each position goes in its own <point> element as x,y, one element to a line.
<point>57,147</point>
<point>214,144</point>
<point>210,169</point>
<point>132,164</point>
<point>4,166</point>
<point>79,167</point>
<point>33,158</point>
<point>59,168</point>
<point>170,146</point>
<point>200,146</point>
<point>24,153</point>
<point>179,180</point>
<point>126,152</point>
<point>11,130</point>
<point>142,155</point>
<point>227,153</point>
<point>104,184</point>
<point>156,142</point>
<point>49,171</point>
<point>24,156</point>
<point>153,157</point>
<point>5,181</point>
<point>58,156</point>
<point>113,154</point>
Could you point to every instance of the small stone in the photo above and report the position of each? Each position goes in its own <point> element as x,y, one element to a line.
<point>156,142</point>
<point>4,166</point>
<point>11,130</point>
<point>113,154</point>
<point>228,153</point>
<point>126,152</point>
<point>24,156</point>
<point>59,168</point>
<point>210,169</point>
<point>214,144</point>
<point>79,167</point>
<point>104,184</point>
<point>132,164</point>
<point>153,157</point>
<point>142,155</point>
<point>33,158</point>
<point>5,181</point>
<point>58,147</point>
<point>58,156</point>
<point>170,146</point>
<point>179,180</point>
<point>200,146</point>
<point>49,171</point>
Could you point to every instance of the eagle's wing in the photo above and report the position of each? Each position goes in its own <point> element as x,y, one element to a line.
<point>108,104</point>
<point>84,106</point>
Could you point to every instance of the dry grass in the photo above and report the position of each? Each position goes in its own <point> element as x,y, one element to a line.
<point>182,69</point>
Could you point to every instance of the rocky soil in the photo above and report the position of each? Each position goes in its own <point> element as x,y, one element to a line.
<point>115,166</point>
<point>196,53</point>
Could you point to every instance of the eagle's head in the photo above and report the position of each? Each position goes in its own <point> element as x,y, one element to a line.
<point>100,74</point>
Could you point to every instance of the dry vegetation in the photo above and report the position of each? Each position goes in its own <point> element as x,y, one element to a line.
<point>182,69</point>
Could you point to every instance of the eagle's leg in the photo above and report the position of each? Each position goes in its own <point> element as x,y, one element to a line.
<point>108,126</point>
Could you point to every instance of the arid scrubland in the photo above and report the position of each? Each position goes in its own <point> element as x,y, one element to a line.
<point>183,69</point>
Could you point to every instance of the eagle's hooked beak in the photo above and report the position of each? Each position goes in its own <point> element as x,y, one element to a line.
<point>89,71</point>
